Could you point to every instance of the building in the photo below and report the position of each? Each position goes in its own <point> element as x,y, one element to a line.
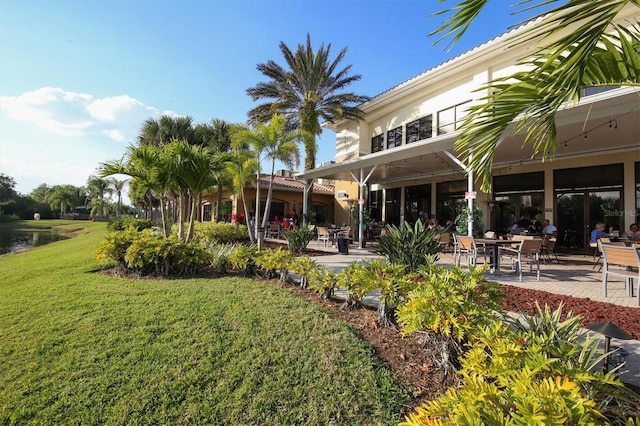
<point>401,162</point>
<point>287,196</point>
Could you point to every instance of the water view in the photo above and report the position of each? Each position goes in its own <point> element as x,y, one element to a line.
<point>15,240</point>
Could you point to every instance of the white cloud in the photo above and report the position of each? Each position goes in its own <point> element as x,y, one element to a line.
<point>68,113</point>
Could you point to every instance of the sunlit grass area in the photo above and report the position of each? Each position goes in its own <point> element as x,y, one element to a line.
<point>80,347</point>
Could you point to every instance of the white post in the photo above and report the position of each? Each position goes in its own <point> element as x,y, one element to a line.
<point>470,200</point>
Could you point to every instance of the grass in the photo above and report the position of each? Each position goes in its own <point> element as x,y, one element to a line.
<point>79,347</point>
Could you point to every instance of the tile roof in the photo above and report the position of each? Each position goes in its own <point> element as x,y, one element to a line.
<point>294,184</point>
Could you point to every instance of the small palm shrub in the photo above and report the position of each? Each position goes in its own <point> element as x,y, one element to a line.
<point>275,261</point>
<point>219,232</point>
<point>349,279</point>
<point>448,305</point>
<point>410,246</point>
<point>220,256</point>
<point>323,281</point>
<point>303,266</point>
<point>243,259</point>
<point>513,376</point>
<point>113,247</point>
<point>393,283</point>
<point>298,239</point>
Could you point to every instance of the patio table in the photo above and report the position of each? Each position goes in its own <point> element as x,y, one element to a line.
<point>495,258</point>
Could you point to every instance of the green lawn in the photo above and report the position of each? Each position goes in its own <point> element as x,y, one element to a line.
<point>79,347</point>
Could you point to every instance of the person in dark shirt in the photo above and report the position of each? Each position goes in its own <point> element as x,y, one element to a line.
<point>525,222</point>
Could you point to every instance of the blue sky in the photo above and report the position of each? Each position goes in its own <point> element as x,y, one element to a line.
<point>78,78</point>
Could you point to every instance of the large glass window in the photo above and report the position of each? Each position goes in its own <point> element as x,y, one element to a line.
<point>450,199</point>
<point>394,137</point>
<point>375,204</point>
<point>206,213</point>
<point>517,196</point>
<point>392,206</point>
<point>377,143</point>
<point>451,118</point>
<point>417,203</point>
<point>420,129</point>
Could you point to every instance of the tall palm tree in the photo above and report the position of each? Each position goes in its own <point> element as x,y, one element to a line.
<point>217,136</point>
<point>162,131</point>
<point>270,142</point>
<point>241,168</point>
<point>62,197</point>
<point>310,90</point>
<point>98,188</point>
<point>589,56</point>
<point>117,187</point>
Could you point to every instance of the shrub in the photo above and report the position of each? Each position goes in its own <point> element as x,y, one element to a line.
<point>126,223</point>
<point>298,239</point>
<point>303,266</point>
<point>349,278</point>
<point>220,256</point>
<point>448,305</point>
<point>392,282</point>
<point>323,280</point>
<point>243,257</point>
<point>513,376</point>
<point>410,246</point>
<point>275,260</point>
<point>219,232</point>
<point>113,247</point>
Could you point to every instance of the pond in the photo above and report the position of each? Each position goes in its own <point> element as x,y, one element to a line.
<point>15,240</point>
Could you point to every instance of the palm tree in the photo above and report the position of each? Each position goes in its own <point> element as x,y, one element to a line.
<point>309,91</point>
<point>117,187</point>
<point>270,142</point>
<point>98,189</point>
<point>162,131</point>
<point>216,136</point>
<point>193,169</point>
<point>62,196</point>
<point>241,168</point>
<point>589,56</point>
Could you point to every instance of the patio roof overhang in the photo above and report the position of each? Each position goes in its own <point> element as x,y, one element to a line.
<point>582,130</point>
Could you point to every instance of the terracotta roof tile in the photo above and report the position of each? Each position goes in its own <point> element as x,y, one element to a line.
<point>285,182</point>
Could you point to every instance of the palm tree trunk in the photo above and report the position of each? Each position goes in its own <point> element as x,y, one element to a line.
<point>192,218</point>
<point>267,206</point>
<point>163,216</point>
<point>252,236</point>
<point>181,217</point>
<point>257,212</point>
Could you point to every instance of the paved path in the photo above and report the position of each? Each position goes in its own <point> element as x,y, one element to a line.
<point>573,276</point>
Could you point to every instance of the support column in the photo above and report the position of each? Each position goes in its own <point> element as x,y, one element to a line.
<point>362,181</point>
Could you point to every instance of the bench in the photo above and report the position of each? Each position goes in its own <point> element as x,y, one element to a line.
<point>621,262</point>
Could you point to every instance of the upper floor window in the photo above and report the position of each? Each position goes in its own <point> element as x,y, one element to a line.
<point>394,137</point>
<point>420,129</point>
<point>377,143</point>
<point>586,91</point>
<point>451,118</point>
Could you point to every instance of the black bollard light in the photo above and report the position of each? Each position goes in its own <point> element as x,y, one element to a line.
<point>608,330</point>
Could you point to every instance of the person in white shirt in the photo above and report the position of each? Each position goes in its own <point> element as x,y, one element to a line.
<point>549,229</point>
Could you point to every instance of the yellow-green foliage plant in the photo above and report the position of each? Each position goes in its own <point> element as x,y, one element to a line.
<point>219,232</point>
<point>303,266</point>
<point>393,283</point>
<point>323,280</point>
<point>510,376</point>
<point>448,305</point>
<point>243,259</point>
<point>356,289</point>
<point>274,262</point>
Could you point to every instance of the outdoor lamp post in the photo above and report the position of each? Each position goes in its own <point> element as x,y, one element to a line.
<point>609,330</point>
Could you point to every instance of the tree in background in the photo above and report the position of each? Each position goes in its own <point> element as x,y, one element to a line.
<point>270,142</point>
<point>97,190</point>
<point>117,186</point>
<point>241,168</point>
<point>588,56</point>
<point>310,90</point>
<point>65,197</point>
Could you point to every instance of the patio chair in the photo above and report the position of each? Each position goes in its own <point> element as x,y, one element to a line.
<point>621,261</point>
<point>446,241</point>
<point>467,245</point>
<point>274,230</point>
<point>324,235</point>
<point>528,250</point>
<point>597,251</point>
<point>548,249</point>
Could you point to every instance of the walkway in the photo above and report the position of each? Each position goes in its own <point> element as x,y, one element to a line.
<point>573,276</point>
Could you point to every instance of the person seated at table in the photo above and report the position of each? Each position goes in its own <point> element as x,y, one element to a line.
<point>549,229</point>
<point>633,233</point>
<point>525,222</point>
<point>276,221</point>
<point>599,232</point>
<point>535,228</point>
<point>286,224</point>
<point>450,226</point>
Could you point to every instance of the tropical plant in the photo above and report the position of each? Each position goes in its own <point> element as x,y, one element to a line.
<point>117,187</point>
<point>354,211</point>
<point>270,142</point>
<point>298,239</point>
<point>64,197</point>
<point>159,132</point>
<point>220,256</point>
<point>303,266</point>
<point>275,261</point>
<point>391,280</point>
<point>590,55</point>
<point>462,220</point>
<point>356,289</point>
<point>241,168</point>
<point>323,281</point>
<point>410,246</point>
<point>243,258</point>
<point>308,91</point>
<point>541,375</point>
<point>219,232</point>
<point>448,305</point>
